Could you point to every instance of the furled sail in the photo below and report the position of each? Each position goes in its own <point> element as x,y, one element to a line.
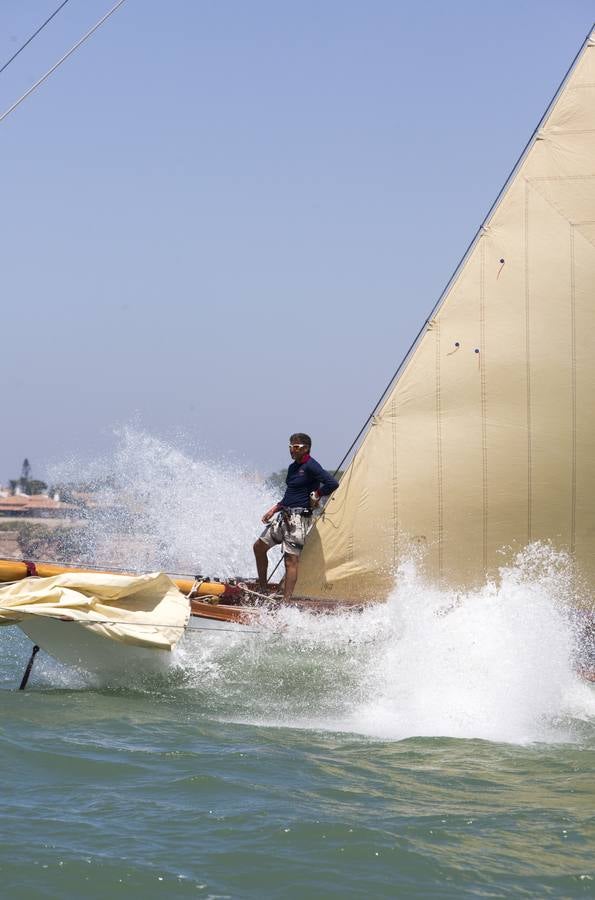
<point>486,441</point>
<point>141,610</point>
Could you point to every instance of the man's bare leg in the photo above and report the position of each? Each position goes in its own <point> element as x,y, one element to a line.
<point>262,562</point>
<point>291,574</point>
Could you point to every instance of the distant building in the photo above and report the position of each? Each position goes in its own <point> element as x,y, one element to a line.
<point>38,506</point>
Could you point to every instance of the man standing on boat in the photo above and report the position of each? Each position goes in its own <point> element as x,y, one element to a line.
<point>306,483</point>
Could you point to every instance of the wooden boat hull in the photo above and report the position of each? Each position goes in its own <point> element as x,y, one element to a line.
<point>76,645</point>
<point>214,607</point>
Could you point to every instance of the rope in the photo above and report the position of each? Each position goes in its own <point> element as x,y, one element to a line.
<point>232,630</point>
<point>10,609</point>
<point>34,35</point>
<point>275,567</point>
<point>247,590</point>
<point>60,61</point>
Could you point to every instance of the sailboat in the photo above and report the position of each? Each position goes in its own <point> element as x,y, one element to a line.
<point>482,444</point>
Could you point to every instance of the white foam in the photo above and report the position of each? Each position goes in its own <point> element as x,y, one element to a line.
<point>497,663</point>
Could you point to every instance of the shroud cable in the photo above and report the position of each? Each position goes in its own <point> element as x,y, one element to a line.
<point>34,35</point>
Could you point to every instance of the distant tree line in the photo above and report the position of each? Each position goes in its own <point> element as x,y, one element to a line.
<point>67,491</point>
<point>25,484</point>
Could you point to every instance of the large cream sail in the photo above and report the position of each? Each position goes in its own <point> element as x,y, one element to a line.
<point>486,441</point>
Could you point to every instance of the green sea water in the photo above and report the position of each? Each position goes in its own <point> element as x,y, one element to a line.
<point>433,747</point>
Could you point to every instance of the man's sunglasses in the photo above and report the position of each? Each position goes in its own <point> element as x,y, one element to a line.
<point>296,446</point>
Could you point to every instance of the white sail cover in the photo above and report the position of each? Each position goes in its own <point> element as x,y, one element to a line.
<point>143,610</point>
<point>486,441</point>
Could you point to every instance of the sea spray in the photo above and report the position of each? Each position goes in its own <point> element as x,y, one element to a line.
<point>157,507</point>
<point>497,663</point>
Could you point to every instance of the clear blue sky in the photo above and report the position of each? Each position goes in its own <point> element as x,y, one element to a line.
<point>216,214</point>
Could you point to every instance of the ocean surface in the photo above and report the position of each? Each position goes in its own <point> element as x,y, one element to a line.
<point>341,758</point>
<point>437,745</point>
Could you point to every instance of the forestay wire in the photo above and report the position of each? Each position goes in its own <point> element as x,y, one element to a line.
<point>61,60</point>
<point>34,35</point>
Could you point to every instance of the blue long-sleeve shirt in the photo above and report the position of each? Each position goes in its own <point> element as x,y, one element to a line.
<point>303,478</point>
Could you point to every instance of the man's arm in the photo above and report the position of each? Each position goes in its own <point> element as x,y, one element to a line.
<point>271,512</point>
<point>327,483</point>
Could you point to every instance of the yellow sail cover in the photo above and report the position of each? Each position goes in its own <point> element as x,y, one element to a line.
<point>144,610</point>
<point>486,441</point>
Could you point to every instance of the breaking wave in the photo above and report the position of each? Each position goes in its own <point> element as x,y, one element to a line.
<point>499,663</point>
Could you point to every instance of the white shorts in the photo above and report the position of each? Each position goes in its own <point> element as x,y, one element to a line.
<point>289,528</point>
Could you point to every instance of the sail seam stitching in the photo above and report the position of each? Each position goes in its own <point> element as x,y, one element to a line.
<point>535,178</point>
<point>484,439</point>
<point>439,455</point>
<point>553,206</point>
<point>395,483</point>
<point>558,131</point>
<point>528,363</point>
<point>573,389</point>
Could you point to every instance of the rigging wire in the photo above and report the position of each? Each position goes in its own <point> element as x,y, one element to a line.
<point>85,622</point>
<point>61,60</point>
<point>68,621</point>
<point>34,35</point>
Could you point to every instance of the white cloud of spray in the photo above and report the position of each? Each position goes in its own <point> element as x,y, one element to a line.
<point>498,663</point>
<point>166,509</point>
